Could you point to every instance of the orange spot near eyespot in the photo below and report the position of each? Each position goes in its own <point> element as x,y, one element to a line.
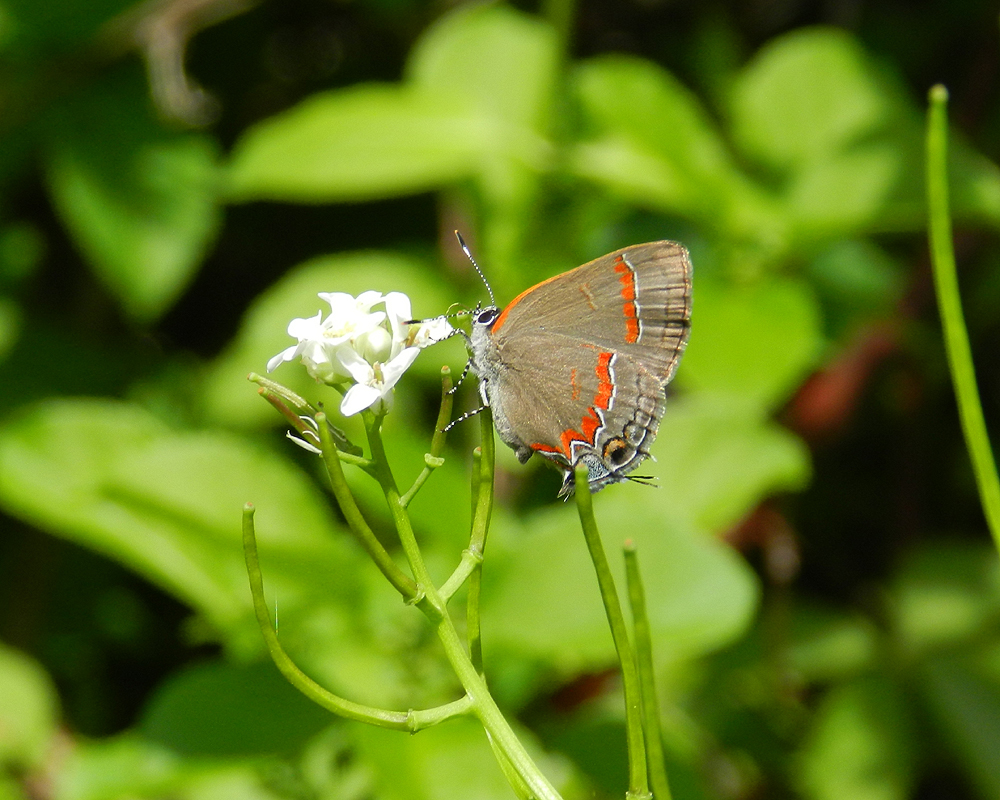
<point>627,280</point>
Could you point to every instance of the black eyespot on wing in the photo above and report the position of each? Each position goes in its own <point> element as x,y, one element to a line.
<point>616,451</point>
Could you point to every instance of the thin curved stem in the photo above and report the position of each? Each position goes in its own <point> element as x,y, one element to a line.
<point>402,582</point>
<point>644,660</point>
<point>638,782</point>
<point>483,481</point>
<point>956,336</point>
<point>396,720</point>
<point>433,459</point>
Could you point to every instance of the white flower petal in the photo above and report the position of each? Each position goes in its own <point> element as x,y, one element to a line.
<point>287,354</point>
<point>367,299</point>
<point>355,366</point>
<point>358,398</point>
<point>309,328</point>
<point>393,371</point>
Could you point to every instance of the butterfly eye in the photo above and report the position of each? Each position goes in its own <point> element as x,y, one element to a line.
<point>487,316</point>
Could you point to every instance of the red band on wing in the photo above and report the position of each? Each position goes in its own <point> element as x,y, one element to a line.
<point>591,420</point>
<point>627,281</point>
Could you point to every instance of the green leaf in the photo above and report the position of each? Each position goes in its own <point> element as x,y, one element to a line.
<point>355,144</point>
<point>29,710</point>
<point>945,594</point>
<point>829,645</point>
<point>474,98</point>
<point>139,202</point>
<point>861,744</point>
<point>10,325</point>
<point>648,139</point>
<point>219,709</point>
<point>452,760</point>
<point>807,95</point>
<point>167,504</point>
<point>715,461</point>
<point>962,692</point>
<point>130,766</point>
<point>753,343</point>
<point>541,600</point>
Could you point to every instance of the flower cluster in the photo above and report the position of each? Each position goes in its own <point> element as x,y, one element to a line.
<point>355,345</point>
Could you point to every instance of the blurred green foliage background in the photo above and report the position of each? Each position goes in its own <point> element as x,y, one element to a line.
<point>179,178</point>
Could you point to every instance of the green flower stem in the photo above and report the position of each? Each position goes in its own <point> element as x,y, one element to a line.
<point>476,475</point>
<point>644,659</point>
<point>410,721</point>
<point>293,408</point>
<point>434,607</point>
<point>433,460</point>
<point>430,601</point>
<point>638,782</point>
<point>444,412</point>
<point>502,737</point>
<point>470,561</point>
<point>955,335</point>
<point>402,582</point>
<point>477,541</point>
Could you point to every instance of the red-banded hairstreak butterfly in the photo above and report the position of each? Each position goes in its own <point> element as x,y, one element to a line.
<point>574,368</point>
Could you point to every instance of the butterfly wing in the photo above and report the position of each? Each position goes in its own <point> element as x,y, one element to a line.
<point>583,358</point>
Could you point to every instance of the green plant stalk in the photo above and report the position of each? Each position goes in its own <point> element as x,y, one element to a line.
<point>434,607</point>
<point>480,531</point>
<point>644,659</point>
<point>433,459</point>
<point>638,781</point>
<point>956,337</point>
<point>410,721</point>
<point>402,582</point>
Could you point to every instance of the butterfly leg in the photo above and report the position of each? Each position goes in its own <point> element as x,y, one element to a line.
<point>463,418</point>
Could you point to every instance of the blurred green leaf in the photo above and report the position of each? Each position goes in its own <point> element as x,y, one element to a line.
<point>10,325</point>
<point>861,744</point>
<point>129,766</point>
<point>39,27</point>
<point>858,276</point>
<point>139,201</point>
<point>809,95</point>
<point>754,343</point>
<point>167,504</point>
<point>219,709</point>
<point>647,138</point>
<point>828,644</point>
<point>944,594</point>
<point>451,760</point>
<point>963,694</point>
<point>355,144</point>
<point>474,98</point>
<point>715,461</point>
<point>541,599</point>
<point>29,708</point>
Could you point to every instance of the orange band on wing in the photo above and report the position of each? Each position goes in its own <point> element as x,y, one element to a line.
<point>503,315</point>
<point>628,292</point>
<point>590,423</point>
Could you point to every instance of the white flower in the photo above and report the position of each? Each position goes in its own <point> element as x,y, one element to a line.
<point>354,344</point>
